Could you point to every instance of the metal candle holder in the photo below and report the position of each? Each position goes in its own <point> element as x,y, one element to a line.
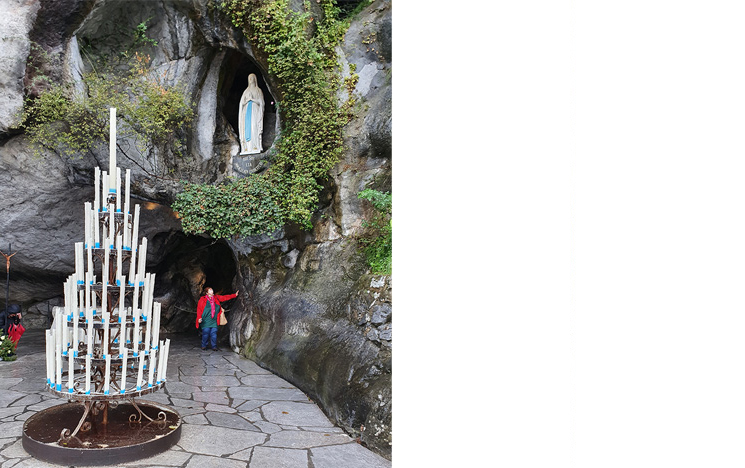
<point>100,366</point>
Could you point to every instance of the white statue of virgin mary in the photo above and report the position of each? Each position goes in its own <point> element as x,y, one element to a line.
<point>251,117</point>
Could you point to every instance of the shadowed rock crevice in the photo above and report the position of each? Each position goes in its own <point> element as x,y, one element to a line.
<point>190,264</point>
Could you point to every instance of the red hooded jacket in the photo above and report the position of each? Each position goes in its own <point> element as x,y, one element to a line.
<point>218,299</point>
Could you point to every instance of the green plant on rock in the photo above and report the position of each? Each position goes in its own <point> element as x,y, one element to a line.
<point>301,57</point>
<point>150,113</point>
<point>378,244</point>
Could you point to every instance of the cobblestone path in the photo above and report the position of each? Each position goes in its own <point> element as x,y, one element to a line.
<point>235,414</point>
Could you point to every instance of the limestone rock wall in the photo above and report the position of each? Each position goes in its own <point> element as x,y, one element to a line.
<point>308,308</point>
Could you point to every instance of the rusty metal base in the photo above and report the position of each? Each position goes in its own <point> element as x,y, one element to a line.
<point>125,437</point>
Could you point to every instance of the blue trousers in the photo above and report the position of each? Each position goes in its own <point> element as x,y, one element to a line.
<point>209,335</point>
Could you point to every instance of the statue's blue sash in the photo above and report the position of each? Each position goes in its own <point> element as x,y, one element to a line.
<point>249,107</point>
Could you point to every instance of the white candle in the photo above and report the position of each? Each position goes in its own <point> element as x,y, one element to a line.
<point>136,316</point>
<point>49,356</point>
<point>105,279</point>
<point>107,375</point>
<point>139,371</point>
<point>97,190</point>
<point>153,359</point>
<point>79,263</point>
<point>123,385</point>
<point>96,229</point>
<point>156,323</point>
<point>112,143</point>
<point>118,189</point>
<point>87,228</point>
<point>70,371</point>
<point>142,257</point>
<point>104,190</point>
<point>146,313</point>
<point>89,318</point>
<point>118,255</point>
<point>59,319</point>
<point>161,362</point>
<point>122,317</point>
<point>75,319</point>
<point>126,192</point>
<point>112,218</point>
<point>133,244</point>
<point>87,374</point>
<point>167,351</point>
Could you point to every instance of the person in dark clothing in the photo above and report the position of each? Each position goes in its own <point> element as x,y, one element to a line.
<point>11,316</point>
<point>208,315</point>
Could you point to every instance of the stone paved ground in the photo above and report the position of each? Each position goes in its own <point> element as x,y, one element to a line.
<point>253,418</point>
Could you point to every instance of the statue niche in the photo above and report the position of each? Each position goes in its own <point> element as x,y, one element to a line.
<point>251,117</point>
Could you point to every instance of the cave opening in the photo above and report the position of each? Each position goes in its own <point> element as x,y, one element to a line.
<point>188,266</point>
<point>237,68</point>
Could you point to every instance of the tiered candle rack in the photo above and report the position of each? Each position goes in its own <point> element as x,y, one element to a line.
<point>104,347</point>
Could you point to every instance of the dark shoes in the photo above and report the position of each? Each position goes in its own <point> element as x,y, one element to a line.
<point>215,349</point>
<point>204,349</point>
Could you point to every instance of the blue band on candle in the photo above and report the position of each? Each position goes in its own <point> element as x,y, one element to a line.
<point>86,247</point>
<point>116,340</point>
<point>118,283</point>
<point>80,282</point>
<point>105,392</point>
<point>129,341</point>
<point>112,190</point>
<point>69,390</point>
<point>49,381</point>
<point>118,210</point>
<point>149,385</point>
<point>82,314</point>
<point>121,391</point>
<point>144,367</point>
<point>111,246</point>
<point>75,354</point>
<point>139,388</point>
<point>135,355</point>
<point>120,356</point>
<point>127,248</point>
<point>59,387</point>
<point>147,352</point>
<point>103,209</point>
<point>98,246</point>
<point>103,356</point>
<point>88,392</point>
<point>142,283</point>
<point>64,353</point>
<point>158,382</point>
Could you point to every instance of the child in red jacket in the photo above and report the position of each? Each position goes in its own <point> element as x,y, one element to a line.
<point>208,315</point>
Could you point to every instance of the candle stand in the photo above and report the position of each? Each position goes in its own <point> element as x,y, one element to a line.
<point>103,348</point>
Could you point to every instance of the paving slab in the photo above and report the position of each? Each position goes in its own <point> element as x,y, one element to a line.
<point>195,419</point>
<point>211,397</point>
<point>295,414</point>
<point>223,441</point>
<point>266,381</point>
<point>167,458</point>
<point>257,393</point>
<point>230,420</point>
<point>305,439</point>
<point>269,457</point>
<point>243,454</point>
<point>210,380</point>
<point>346,456</point>
<point>202,461</point>
<point>250,404</point>
<point>220,408</point>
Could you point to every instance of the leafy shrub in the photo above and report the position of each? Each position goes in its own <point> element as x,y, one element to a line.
<point>378,245</point>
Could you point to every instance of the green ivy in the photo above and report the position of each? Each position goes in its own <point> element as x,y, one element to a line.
<point>378,245</point>
<point>149,112</point>
<point>301,57</point>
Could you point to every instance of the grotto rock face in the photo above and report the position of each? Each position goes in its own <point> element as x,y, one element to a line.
<point>308,309</point>
<point>315,315</point>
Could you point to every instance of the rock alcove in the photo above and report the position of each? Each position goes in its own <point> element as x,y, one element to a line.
<point>237,68</point>
<point>190,264</point>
